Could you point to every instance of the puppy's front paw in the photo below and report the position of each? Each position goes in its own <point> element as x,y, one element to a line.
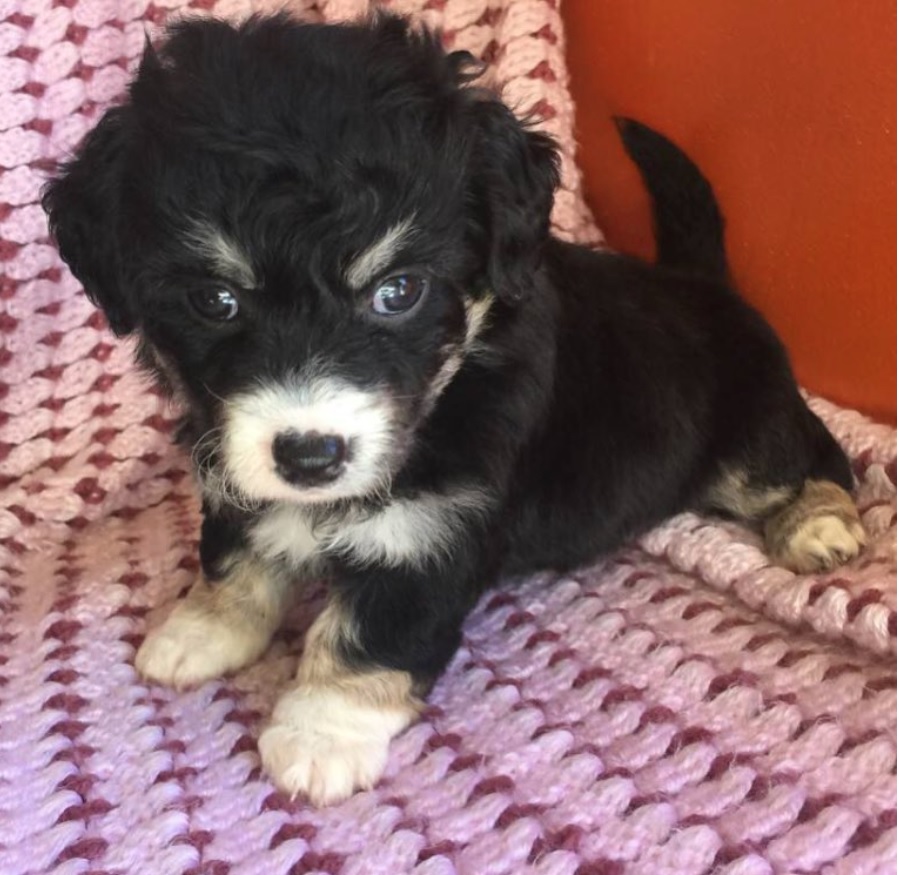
<point>822,543</point>
<point>326,745</point>
<point>194,646</point>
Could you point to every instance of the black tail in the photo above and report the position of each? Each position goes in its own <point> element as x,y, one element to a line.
<point>688,224</point>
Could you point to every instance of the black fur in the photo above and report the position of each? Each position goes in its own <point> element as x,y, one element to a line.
<point>689,227</point>
<point>605,394</point>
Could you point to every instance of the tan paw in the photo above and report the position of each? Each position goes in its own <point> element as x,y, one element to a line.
<point>325,745</point>
<point>194,646</point>
<point>817,531</point>
<point>822,543</point>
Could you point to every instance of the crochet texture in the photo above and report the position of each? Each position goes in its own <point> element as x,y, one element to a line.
<point>679,707</point>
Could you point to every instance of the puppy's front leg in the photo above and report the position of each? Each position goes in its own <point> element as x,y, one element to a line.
<point>220,627</point>
<point>329,735</point>
<point>369,658</point>
<point>228,617</point>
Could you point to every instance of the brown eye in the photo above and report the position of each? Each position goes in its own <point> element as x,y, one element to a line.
<point>219,305</point>
<point>398,294</point>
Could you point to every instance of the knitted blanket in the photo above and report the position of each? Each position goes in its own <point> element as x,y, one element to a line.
<point>679,707</point>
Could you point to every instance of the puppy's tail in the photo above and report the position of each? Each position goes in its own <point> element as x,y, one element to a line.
<point>689,226</point>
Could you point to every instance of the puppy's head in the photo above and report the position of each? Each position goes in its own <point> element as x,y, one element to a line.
<point>310,227</point>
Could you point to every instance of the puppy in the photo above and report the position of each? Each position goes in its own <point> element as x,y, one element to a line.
<point>334,249</point>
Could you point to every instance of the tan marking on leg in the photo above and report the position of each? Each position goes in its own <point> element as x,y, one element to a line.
<point>329,736</point>
<point>818,531</point>
<point>219,628</point>
<point>732,493</point>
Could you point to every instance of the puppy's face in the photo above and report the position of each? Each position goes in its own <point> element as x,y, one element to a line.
<point>312,229</point>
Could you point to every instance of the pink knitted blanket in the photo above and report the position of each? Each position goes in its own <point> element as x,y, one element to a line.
<point>680,707</point>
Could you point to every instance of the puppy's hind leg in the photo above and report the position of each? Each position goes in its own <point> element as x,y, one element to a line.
<point>817,531</point>
<point>811,523</point>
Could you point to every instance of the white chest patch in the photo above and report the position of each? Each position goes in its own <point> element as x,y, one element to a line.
<point>287,533</point>
<point>409,531</point>
<point>404,532</point>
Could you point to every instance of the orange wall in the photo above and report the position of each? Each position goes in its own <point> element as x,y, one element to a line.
<point>789,107</point>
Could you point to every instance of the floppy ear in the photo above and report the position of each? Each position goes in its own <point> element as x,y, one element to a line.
<point>83,206</point>
<point>516,172</point>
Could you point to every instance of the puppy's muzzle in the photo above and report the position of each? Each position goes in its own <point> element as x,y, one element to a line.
<point>309,458</point>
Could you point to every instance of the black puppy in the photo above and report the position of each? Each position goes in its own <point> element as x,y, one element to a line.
<point>335,251</point>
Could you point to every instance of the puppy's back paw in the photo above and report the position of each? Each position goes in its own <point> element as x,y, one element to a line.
<point>324,745</point>
<point>817,532</point>
<point>822,544</point>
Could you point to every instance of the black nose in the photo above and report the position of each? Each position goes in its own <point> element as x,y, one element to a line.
<point>308,459</point>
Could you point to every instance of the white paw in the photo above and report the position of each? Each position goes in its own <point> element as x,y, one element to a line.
<point>194,646</point>
<point>821,543</point>
<point>324,744</point>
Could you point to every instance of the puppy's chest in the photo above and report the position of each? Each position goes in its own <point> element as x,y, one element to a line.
<point>394,535</point>
<point>290,535</point>
<point>407,532</point>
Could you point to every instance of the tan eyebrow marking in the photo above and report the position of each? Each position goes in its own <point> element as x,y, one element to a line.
<point>224,254</point>
<point>366,266</point>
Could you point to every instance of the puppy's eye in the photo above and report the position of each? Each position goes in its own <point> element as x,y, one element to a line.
<point>399,294</point>
<point>220,305</point>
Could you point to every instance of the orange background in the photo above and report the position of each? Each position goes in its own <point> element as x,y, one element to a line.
<point>789,107</point>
